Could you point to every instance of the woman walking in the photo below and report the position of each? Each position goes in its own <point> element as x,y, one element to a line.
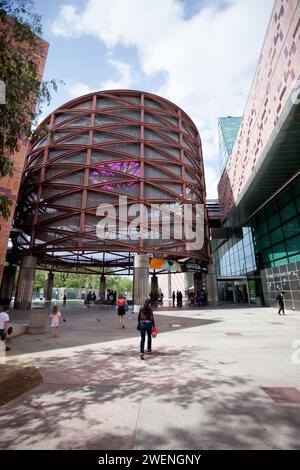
<point>146,322</point>
<point>121,305</point>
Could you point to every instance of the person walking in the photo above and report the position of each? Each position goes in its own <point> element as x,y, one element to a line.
<point>4,319</point>
<point>121,306</point>
<point>55,318</point>
<point>64,300</point>
<point>173,298</point>
<point>204,297</point>
<point>146,322</point>
<point>280,300</point>
<point>179,298</point>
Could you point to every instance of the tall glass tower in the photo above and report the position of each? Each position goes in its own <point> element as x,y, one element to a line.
<point>228,131</point>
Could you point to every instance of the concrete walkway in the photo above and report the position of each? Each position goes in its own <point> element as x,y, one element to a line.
<point>223,378</point>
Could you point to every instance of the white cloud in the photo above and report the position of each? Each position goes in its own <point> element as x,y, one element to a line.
<point>118,21</point>
<point>66,23</point>
<point>125,79</point>
<point>211,181</point>
<point>79,89</point>
<point>208,61</point>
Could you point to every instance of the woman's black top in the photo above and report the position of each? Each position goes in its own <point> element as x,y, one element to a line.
<point>146,314</point>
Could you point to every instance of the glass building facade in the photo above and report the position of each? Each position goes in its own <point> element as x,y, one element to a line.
<point>276,229</point>
<point>236,258</point>
<point>228,131</point>
<point>276,234</point>
<point>267,259</point>
<point>236,269</point>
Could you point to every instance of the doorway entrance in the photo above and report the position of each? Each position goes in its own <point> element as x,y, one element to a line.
<point>233,291</point>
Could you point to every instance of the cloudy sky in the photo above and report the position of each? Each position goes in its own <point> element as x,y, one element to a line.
<point>200,54</point>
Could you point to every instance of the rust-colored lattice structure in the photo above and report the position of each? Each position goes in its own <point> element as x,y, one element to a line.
<point>89,152</point>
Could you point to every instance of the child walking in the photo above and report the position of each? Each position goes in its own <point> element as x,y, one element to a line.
<point>55,320</point>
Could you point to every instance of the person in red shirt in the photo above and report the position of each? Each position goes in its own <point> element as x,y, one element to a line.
<point>122,306</point>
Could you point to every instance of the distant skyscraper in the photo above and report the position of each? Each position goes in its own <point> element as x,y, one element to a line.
<point>228,131</point>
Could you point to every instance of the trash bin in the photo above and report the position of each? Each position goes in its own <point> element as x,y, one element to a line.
<point>37,321</point>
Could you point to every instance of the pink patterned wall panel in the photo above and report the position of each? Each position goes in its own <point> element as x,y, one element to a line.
<point>277,72</point>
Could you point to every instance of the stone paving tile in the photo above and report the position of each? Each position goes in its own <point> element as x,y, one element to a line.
<point>198,389</point>
<point>64,417</point>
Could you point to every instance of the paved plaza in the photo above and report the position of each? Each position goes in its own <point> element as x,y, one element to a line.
<point>223,378</point>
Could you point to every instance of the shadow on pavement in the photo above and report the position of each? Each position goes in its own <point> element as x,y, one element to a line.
<point>91,327</point>
<point>115,402</point>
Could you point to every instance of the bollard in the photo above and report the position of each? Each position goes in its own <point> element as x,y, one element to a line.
<point>37,321</point>
<point>15,329</point>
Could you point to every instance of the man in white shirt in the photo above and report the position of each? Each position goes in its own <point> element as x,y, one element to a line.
<point>4,319</point>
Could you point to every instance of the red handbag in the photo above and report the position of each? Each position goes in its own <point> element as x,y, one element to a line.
<point>154,332</point>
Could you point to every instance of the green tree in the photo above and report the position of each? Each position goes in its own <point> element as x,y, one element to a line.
<point>25,94</point>
<point>119,284</point>
<point>91,282</point>
<point>39,279</point>
<point>77,281</point>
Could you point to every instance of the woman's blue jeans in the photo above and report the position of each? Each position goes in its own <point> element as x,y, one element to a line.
<point>146,326</point>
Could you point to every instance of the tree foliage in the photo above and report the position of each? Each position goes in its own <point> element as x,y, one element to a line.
<point>119,284</point>
<point>83,281</point>
<point>39,279</point>
<point>25,94</point>
<point>77,281</point>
